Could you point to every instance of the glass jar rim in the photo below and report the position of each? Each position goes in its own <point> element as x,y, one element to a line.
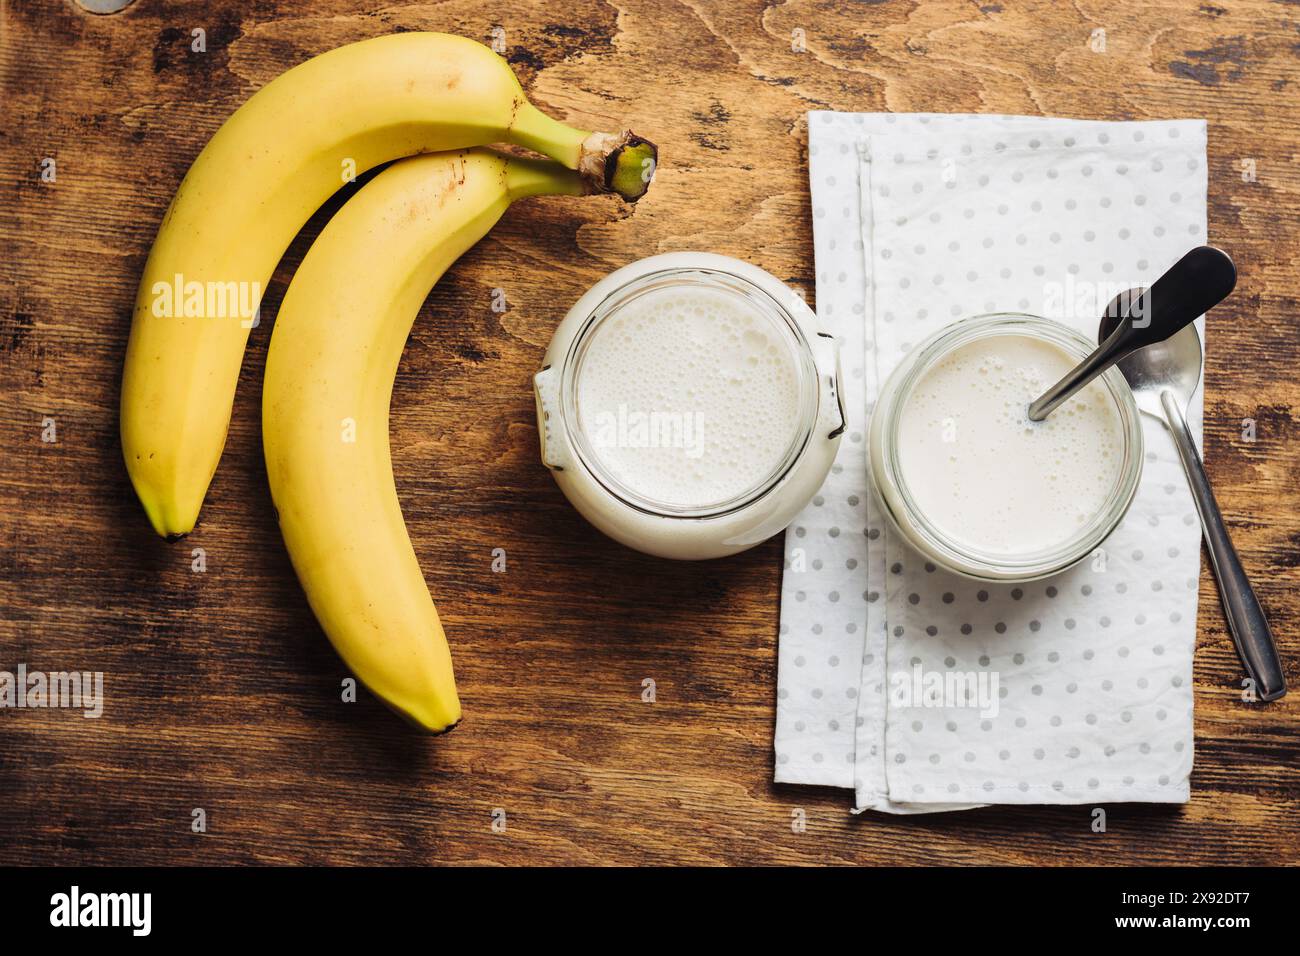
<point>778,315</point>
<point>1026,566</point>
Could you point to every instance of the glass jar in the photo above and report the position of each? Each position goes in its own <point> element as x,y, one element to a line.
<point>761,504</point>
<point>943,548</point>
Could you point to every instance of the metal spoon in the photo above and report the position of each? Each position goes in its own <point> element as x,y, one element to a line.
<point>1163,377</point>
<point>1193,285</point>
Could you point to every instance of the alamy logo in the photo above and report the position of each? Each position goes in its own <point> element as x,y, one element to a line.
<point>943,689</point>
<point>75,908</point>
<point>1085,299</point>
<point>207,300</point>
<point>62,689</point>
<point>630,428</point>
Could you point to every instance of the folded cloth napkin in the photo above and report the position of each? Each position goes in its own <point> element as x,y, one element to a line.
<point>920,220</point>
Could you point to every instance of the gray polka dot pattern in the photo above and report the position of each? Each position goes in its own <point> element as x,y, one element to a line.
<point>1093,667</point>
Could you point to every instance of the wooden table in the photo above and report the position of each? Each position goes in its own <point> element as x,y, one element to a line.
<point>223,694</point>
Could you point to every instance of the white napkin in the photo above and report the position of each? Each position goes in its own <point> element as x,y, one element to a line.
<point>920,220</point>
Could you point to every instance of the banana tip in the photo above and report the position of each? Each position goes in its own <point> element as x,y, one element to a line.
<point>448,729</point>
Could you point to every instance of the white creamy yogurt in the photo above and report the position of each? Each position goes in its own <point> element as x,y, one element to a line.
<point>689,406</point>
<point>985,475</point>
<point>689,396</point>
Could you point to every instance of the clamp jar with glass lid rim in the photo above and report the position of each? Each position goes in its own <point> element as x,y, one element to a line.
<point>688,406</point>
<point>975,486</point>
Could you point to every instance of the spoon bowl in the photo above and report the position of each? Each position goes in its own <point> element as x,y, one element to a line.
<point>1172,365</point>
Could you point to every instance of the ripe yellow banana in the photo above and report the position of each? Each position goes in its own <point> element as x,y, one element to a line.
<point>259,179</point>
<point>334,352</point>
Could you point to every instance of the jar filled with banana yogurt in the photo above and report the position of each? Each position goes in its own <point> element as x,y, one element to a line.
<point>974,485</point>
<point>688,405</point>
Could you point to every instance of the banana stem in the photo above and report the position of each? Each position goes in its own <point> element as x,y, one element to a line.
<point>534,130</point>
<point>622,163</point>
<point>526,176</point>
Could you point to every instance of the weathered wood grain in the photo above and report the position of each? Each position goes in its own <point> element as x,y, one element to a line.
<point>223,693</point>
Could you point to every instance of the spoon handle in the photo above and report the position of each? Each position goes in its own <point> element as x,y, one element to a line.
<point>1192,286</point>
<point>1246,621</point>
<point>1110,352</point>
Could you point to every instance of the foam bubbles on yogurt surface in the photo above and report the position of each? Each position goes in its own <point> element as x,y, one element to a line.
<point>689,397</point>
<point>984,474</point>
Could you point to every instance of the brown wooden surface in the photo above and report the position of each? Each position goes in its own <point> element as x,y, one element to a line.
<point>222,692</point>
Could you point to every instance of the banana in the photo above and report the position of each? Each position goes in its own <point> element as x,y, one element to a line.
<point>255,184</point>
<point>334,352</point>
